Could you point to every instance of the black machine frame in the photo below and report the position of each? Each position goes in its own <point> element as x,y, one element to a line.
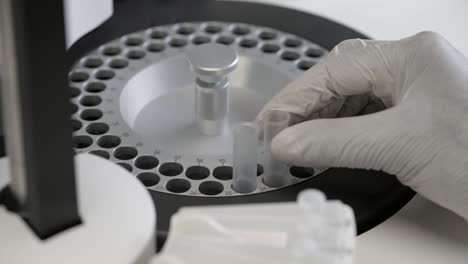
<point>39,50</point>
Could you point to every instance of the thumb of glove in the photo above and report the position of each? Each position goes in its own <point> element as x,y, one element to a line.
<point>366,142</point>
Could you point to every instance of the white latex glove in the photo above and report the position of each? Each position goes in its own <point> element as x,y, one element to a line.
<point>422,137</point>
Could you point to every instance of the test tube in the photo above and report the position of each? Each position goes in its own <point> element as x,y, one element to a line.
<point>245,158</point>
<point>275,171</point>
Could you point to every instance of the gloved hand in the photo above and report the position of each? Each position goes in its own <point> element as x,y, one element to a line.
<point>422,137</point>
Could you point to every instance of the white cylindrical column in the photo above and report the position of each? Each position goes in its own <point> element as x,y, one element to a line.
<point>211,63</point>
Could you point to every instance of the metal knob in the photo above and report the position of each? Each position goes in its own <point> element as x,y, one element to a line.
<point>211,63</point>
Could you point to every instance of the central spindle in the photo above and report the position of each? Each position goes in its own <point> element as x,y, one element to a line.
<point>211,64</point>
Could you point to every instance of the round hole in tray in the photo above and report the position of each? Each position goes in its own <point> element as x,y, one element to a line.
<point>223,173</point>
<point>90,100</point>
<point>146,162</point>
<point>148,178</point>
<point>197,172</point>
<point>98,128</point>
<point>171,169</point>
<point>111,51</point>
<point>82,141</point>
<point>125,153</point>
<point>95,87</point>
<point>301,172</point>
<point>118,63</point>
<point>211,188</point>
<point>108,141</point>
<point>91,114</point>
<point>178,185</point>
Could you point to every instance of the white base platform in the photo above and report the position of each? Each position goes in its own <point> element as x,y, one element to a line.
<point>421,232</point>
<point>119,221</point>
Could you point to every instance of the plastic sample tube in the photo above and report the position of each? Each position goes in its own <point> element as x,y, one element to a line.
<point>245,158</point>
<point>275,171</point>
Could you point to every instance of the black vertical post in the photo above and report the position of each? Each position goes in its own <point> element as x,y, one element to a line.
<point>45,157</point>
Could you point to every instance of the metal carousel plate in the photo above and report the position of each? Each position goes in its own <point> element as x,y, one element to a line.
<point>131,89</point>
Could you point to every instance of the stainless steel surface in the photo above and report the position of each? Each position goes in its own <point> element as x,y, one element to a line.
<point>211,62</point>
<point>133,102</point>
<point>12,121</point>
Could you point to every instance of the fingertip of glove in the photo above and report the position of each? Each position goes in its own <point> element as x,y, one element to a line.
<point>281,146</point>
